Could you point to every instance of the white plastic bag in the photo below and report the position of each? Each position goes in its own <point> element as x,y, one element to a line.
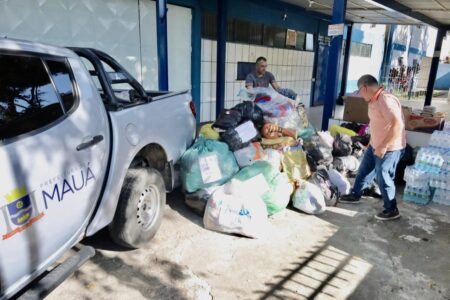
<point>274,158</point>
<point>309,199</point>
<point>232,210</point>
<point>340,181</point>
<point>326,137</point>
<point>248,155</point>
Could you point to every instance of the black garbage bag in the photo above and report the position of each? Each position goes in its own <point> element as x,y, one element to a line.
<point>352,126</point>
<point>250,112</point>
<point>322,180</point>
<point>365,140</point>
<point>320,153</point>
<point>311,162</point>
<point>234,139</point>
<point>406,160</point>
<point>342,145</point>
<point>358,150</point>
<point>228,118</point>
<point>197,201</point>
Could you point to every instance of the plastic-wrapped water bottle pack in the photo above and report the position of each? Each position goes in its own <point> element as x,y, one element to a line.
<point>417,195</point>
<point>441,196</point>
<point>429,178</point>
<point>416,177</point>
<point>440,139</point>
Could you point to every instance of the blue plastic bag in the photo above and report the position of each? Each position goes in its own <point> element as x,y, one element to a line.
<point>205,164</point>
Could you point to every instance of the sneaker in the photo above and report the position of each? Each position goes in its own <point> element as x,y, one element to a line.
<point>350,199</point>
<point>388,215</point>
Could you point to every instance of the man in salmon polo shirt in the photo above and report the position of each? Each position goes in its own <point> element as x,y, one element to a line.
<point>387,144</point>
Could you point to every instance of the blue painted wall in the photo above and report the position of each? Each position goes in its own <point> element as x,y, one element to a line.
<point>269,12</point>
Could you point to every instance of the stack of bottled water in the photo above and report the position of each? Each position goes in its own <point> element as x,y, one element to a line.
<point>429,178</point>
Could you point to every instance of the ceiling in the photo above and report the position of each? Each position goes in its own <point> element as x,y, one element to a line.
<point>432,12</point>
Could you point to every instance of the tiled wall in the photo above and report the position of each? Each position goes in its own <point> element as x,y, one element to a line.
<point>125,29</point>
<point>292,69</point>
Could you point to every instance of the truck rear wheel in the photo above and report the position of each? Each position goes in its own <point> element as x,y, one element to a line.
<point>140,209</point>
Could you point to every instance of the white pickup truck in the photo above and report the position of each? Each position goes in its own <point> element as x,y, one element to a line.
<point>82,146</point>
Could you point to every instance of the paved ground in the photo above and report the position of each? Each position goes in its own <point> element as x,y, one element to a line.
<point>343,253</point>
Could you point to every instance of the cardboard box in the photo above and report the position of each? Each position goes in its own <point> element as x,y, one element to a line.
<point>356,110</point>
<point>414,122</point>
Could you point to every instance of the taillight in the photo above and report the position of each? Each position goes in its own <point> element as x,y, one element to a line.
<point>193,109</point>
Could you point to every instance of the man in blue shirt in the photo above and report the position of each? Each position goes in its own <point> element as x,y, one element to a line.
<point>260,77</point>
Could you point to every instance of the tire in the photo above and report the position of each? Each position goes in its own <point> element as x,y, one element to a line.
<point>140,209</point>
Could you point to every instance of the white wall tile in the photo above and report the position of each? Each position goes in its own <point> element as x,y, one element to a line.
<point>309,73</point>
<point>305,59</point>
<point>297,58</point>
<point>270,56</point>
<point>213,92</point>
<point>206,72</point>
<point>213,71</point>
<point>231,52</point>
<point>212,115</point>
<point>214,51</point>
<point>239,52</point>
<point>252,53</point>
<point>290,57</point>
<point>229,86</point>
<point>245,52</point>
<point>310,61</point>
<point>286,59</point>
<point>203,50</point>
<point>297,73</point>
<point>206,92</point>
<point>228,104</point>
<point>280,57</point>
<point>206,50</point>
<point>228,72</point>
<point>205,111</point>
<point>237,87</point>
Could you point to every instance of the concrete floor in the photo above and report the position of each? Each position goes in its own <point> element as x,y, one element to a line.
<point>342,254</point>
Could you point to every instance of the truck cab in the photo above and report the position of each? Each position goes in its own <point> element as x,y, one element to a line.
<point>78,155</point>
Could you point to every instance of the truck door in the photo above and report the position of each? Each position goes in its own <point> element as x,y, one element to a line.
<point>54,149</point>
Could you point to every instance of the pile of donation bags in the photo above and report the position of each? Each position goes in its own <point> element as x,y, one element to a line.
<point>259,156</point>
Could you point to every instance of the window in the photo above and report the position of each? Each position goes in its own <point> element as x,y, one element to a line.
<point>360,49</point>
<point>62,80</point>
<point>28,100</point>
<point>309,42</point>
<point>243,69</point>
<point>301,36</point>
<point>248,32</point>
<point>209,26</point>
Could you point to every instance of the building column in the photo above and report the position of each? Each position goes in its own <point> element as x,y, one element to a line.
<point>387,55</point>
<point>339,9</point>
<point>161,36</point>
<point>221,54</point>
<point>434,65</point>
<point>348,42</point>
<point>196,57</point>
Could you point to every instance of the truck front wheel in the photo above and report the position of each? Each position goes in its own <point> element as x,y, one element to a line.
<point>140,209</point>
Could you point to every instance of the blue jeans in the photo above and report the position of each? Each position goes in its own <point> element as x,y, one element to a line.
<point>384,173</point>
